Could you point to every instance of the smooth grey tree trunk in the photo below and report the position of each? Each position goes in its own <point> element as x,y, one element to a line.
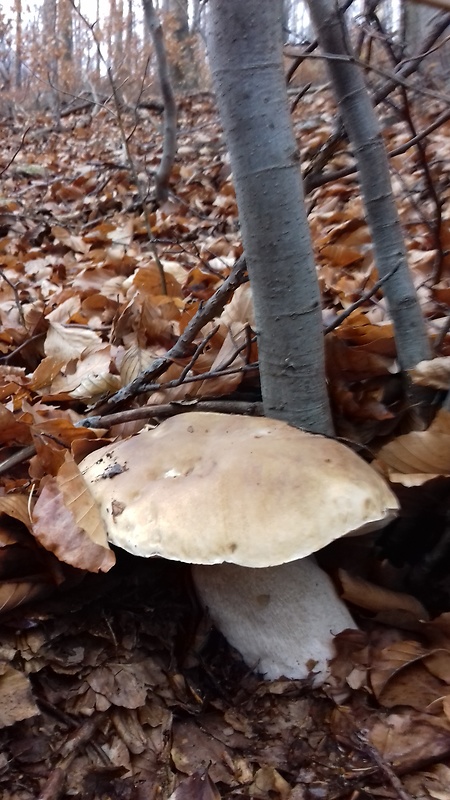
<point>363,130</point>
<point>245,49</point>
<point>168,97</point>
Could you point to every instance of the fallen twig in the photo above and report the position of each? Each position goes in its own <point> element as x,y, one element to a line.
<point>365,296</point>
<point>173,408</point>
<point>205,314</point>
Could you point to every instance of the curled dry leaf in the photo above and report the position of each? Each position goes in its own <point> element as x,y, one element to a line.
<point>375,598</point>
<point>67,522</point>
<point>91,377</point>
<point>426,452</point>
<point>95,385</point>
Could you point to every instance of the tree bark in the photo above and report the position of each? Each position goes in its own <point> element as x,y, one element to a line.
<point>245,46</point>
<point>364,132</point>
<point>49,43</point>
<point>168,98</point>
<point>18,47</point>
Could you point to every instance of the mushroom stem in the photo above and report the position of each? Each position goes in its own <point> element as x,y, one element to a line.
<point>282,619</point>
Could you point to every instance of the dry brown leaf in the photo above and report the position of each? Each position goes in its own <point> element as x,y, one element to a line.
<point>18,507</point>
<point>409,740</point>
<point>51,440</point>
<point>13,431</point>
<point>228,355</point>
<point>240,308</point>
<point>193,750</point>
<point>66,310</point>
<point>73,242</point>
<point>198,786</point>
<point>147,279</point>
<point>94,385</point>
<point>89,376</point>
<point>46,372</point>
<point>14,593</point>
<point>67,342</point>
<point>375,598</point>
<point>406,674</point>
<point>412,686</point>
<point>16,698</point>
<point>438,663</point>
<point>135,359</point>
<point>358,330</point>
<point>419,451</point>
<point>200,284</point>
<point>434,783</point>
<point>67,522</point>
<point>123,685</point>
<point>267,783</point>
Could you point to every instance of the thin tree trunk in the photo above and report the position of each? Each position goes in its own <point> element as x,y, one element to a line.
<point>168,98</point>
<point>364,133</point>
<point>245,46</point>
<point>18,48</point>
<point>65,41</point>
<point>49,30</point>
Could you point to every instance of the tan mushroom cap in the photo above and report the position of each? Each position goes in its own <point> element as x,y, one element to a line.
<point>207,488</point>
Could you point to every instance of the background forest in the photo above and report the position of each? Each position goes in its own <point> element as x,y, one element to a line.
<point>238,208</point>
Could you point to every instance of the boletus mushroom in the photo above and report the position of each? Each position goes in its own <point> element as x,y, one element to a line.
<point>247,500</point>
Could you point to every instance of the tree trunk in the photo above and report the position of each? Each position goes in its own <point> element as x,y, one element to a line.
<point>364,133</point>
<point>18,48</point>
<point>170,108</point>
<point>65,41</point>
<point>49,29</point>
<point>245,46</point>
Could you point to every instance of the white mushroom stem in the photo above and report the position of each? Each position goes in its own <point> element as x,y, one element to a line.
<point>282,619</point>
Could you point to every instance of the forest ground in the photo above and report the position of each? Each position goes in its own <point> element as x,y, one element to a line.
<point>112,685</point>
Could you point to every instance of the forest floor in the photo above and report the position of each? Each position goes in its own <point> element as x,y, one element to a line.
<point>113,685</point>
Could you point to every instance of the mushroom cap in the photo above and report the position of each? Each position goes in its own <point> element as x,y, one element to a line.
<point>206,488</point>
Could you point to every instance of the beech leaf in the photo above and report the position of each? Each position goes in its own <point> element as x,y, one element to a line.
<point>67,522</point>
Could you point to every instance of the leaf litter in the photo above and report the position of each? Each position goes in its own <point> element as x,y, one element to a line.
<point>112,683</point>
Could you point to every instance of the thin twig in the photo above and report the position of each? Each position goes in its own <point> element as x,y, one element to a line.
<point>55,784</point>
<point>198,351</point>
<point>365,296</point>
<point>405,69</point>
<point>212,308</point>
<point>16,153</point>
<point>16,297</point>
<point>368,748</point>
<point>212,374</point>
<point>314,180</point>
<point>174,408</point>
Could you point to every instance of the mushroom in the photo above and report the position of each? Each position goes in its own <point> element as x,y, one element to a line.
<point>208,488</point>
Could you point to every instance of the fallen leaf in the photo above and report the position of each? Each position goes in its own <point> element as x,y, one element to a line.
<point>16,698</point>
<point>67,522</point>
